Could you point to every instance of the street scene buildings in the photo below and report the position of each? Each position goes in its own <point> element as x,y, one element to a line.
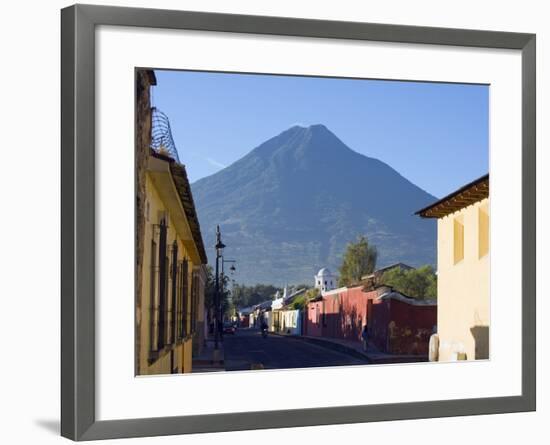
<point>463,272</point>
<point>293,269</point>
<point>171,259</point>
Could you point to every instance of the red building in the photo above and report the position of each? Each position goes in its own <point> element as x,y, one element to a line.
<point>402,325</point>
<point>244,320</point>
<point>397,324</point>
<point>340,313</point>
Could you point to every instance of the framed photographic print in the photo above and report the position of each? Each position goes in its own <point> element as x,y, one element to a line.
<point>262,216</point>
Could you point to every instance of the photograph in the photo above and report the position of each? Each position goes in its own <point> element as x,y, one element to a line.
<point>286,221</point>
<point>270,221</point>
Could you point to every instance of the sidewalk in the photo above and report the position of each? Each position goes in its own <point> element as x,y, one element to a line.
<point>205,361</point>
<point>355,349</point>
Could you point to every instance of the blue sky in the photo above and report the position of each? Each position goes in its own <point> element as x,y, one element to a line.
<point>434,134</point>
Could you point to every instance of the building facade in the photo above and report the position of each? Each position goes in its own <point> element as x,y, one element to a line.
<point>396,324</point>
<point>291,321</point>
<point>401,325</point>
<point>285,318</point>
<point>325,280</point>
<point>463,293</point>
<point>170,259</point>
<point>340,313</point>
<point>199,326</point>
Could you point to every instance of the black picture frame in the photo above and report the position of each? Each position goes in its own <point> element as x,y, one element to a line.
<point>78,23</point>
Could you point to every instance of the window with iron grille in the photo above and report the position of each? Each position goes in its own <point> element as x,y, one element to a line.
<point>183,280</point>
<point>173,290</point>
<point>194,302</point>
<point>153,297</point>
<point>163,286</point>
<point>196,305</point>
<point>179,303</point>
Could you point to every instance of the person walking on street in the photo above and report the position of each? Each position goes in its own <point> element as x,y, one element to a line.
<point>365,337</point>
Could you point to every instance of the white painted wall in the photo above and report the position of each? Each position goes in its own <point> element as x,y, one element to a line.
<point>325,280</point>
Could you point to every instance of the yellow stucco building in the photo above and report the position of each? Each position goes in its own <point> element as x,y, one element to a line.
<point>170,258</point>
<point>463,294</point>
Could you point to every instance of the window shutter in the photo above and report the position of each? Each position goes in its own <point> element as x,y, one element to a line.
<point>173,309</point>
<point>184,295</point>
<point>163,281</point>
<point>194,307</point>
<point>153,324</point>
<point>180,301</point>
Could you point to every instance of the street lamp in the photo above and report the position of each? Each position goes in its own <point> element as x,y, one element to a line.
<point>232,269</point>
<point>217,318</point>
<point>219,289</point>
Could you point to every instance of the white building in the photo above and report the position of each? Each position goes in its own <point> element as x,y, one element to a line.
<point>278,301</point>
<point>325,280</point>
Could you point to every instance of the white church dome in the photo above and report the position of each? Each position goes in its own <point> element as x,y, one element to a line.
<point>324,280</point>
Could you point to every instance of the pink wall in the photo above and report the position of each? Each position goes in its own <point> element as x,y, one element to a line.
<point>312,318</point>
<point>339,315</point>
<point>401,328</point>
<point>394,326</point>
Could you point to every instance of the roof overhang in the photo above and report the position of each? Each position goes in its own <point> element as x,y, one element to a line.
<point>463,197</point>
<point>161,176</point>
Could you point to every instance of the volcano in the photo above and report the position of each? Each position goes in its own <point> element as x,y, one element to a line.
<point>291,205</point>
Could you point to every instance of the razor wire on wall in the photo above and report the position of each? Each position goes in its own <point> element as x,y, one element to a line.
<point>161,134</point>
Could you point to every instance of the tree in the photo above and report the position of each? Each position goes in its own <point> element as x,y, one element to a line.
<point>210,292</point>
<point>418,283</point>
<point>301,301</point>
<point>210,289</point>
<point>359,259</point>
<point>225,295</point>
<point>245,296</point>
